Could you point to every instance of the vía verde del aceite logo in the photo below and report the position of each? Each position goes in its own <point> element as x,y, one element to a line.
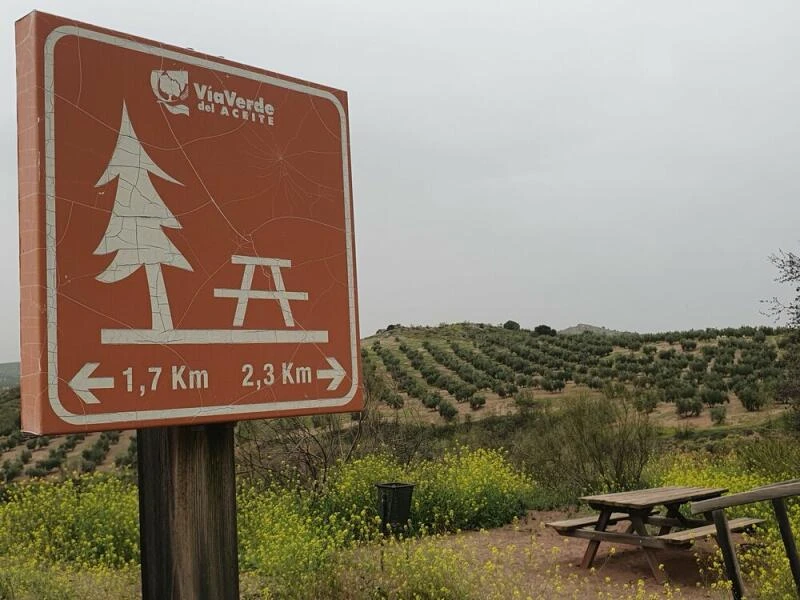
<point>172,90</point>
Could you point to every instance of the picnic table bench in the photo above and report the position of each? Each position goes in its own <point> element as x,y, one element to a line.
<point>638,508</point>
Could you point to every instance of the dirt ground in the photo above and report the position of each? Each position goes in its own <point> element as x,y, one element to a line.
<point>551,568</point>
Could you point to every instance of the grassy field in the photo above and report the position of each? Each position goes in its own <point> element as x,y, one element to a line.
<point>78,538</point>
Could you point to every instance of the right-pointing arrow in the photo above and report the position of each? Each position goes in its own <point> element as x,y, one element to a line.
<point>83,383</point>
<point>336,373</point>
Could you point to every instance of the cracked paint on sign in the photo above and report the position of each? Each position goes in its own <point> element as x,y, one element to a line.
<point>186,236</point>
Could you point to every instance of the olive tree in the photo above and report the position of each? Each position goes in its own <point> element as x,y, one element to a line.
<point>788,386</point>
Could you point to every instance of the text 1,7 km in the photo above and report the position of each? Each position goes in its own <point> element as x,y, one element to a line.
<point>175,377</point>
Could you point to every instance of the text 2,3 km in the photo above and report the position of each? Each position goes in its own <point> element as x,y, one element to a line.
<point>287,374</point>
<point>175,377</point>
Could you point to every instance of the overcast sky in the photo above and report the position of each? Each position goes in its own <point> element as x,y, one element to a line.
<point>628,164</point>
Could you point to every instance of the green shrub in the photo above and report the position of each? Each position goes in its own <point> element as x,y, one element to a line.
<point>679,389</point>
<point>712,396</point>
<point>394,400</point>
<point>718,414</point>
<point>549,384</point>
<point>464,392</point>
<point>477,401</point>
<point>92,520</point>
<point>776,458</point>
<point>9,411</point>
<point>23,578</point>
<point>468,490</point>
<point>688,407</point>
<point>432,400</point>
<point>425,569</point>
<point>14,439</point>
<point>350,492</point>
<point>591,444</point>
<point>111,436</point>
<point>614,389</point>
<point>289,547</point>
<point>512,325</point>
<point>463,489</point>
<point>524,401</point>
<point>646,401</point>
<point>752,398</point>
<point>129,458</point>
<point>53,460</point>
<point>447,410</point>
<point>11,469</point>
<point>698,366</point>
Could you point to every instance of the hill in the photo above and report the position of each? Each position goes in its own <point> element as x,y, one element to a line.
<point>583,328</point>
<point>470,369</point>
<point>465,372</point>
<point>9,374</point>
<point>23,455</point>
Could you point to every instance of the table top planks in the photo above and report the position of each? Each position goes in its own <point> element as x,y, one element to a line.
<point>649,498</point>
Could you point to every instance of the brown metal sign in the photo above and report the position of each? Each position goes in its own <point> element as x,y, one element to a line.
<point>186,236</point>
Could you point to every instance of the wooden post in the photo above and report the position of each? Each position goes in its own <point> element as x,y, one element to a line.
<point>779,506</point>
<point>725,542</point>
<point>187,513</point>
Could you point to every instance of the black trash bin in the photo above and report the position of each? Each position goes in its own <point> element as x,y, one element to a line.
<point>394,505</point>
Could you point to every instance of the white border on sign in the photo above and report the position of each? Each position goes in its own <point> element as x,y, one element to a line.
<point>50,235</point>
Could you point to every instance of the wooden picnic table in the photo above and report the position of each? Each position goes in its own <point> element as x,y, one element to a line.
<point>639,508</point>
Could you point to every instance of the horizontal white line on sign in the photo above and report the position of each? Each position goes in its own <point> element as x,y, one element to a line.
<point>259,294</point>
<point>212,336</point>
<point>264,262</point>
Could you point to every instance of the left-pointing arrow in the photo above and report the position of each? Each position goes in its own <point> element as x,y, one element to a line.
<point>83,383</point>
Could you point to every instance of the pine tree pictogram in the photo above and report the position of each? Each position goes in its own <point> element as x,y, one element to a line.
<point>135,230</point>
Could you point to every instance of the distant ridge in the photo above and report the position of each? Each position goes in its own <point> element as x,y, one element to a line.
<point>583,327</point>
<point>9,374</point>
